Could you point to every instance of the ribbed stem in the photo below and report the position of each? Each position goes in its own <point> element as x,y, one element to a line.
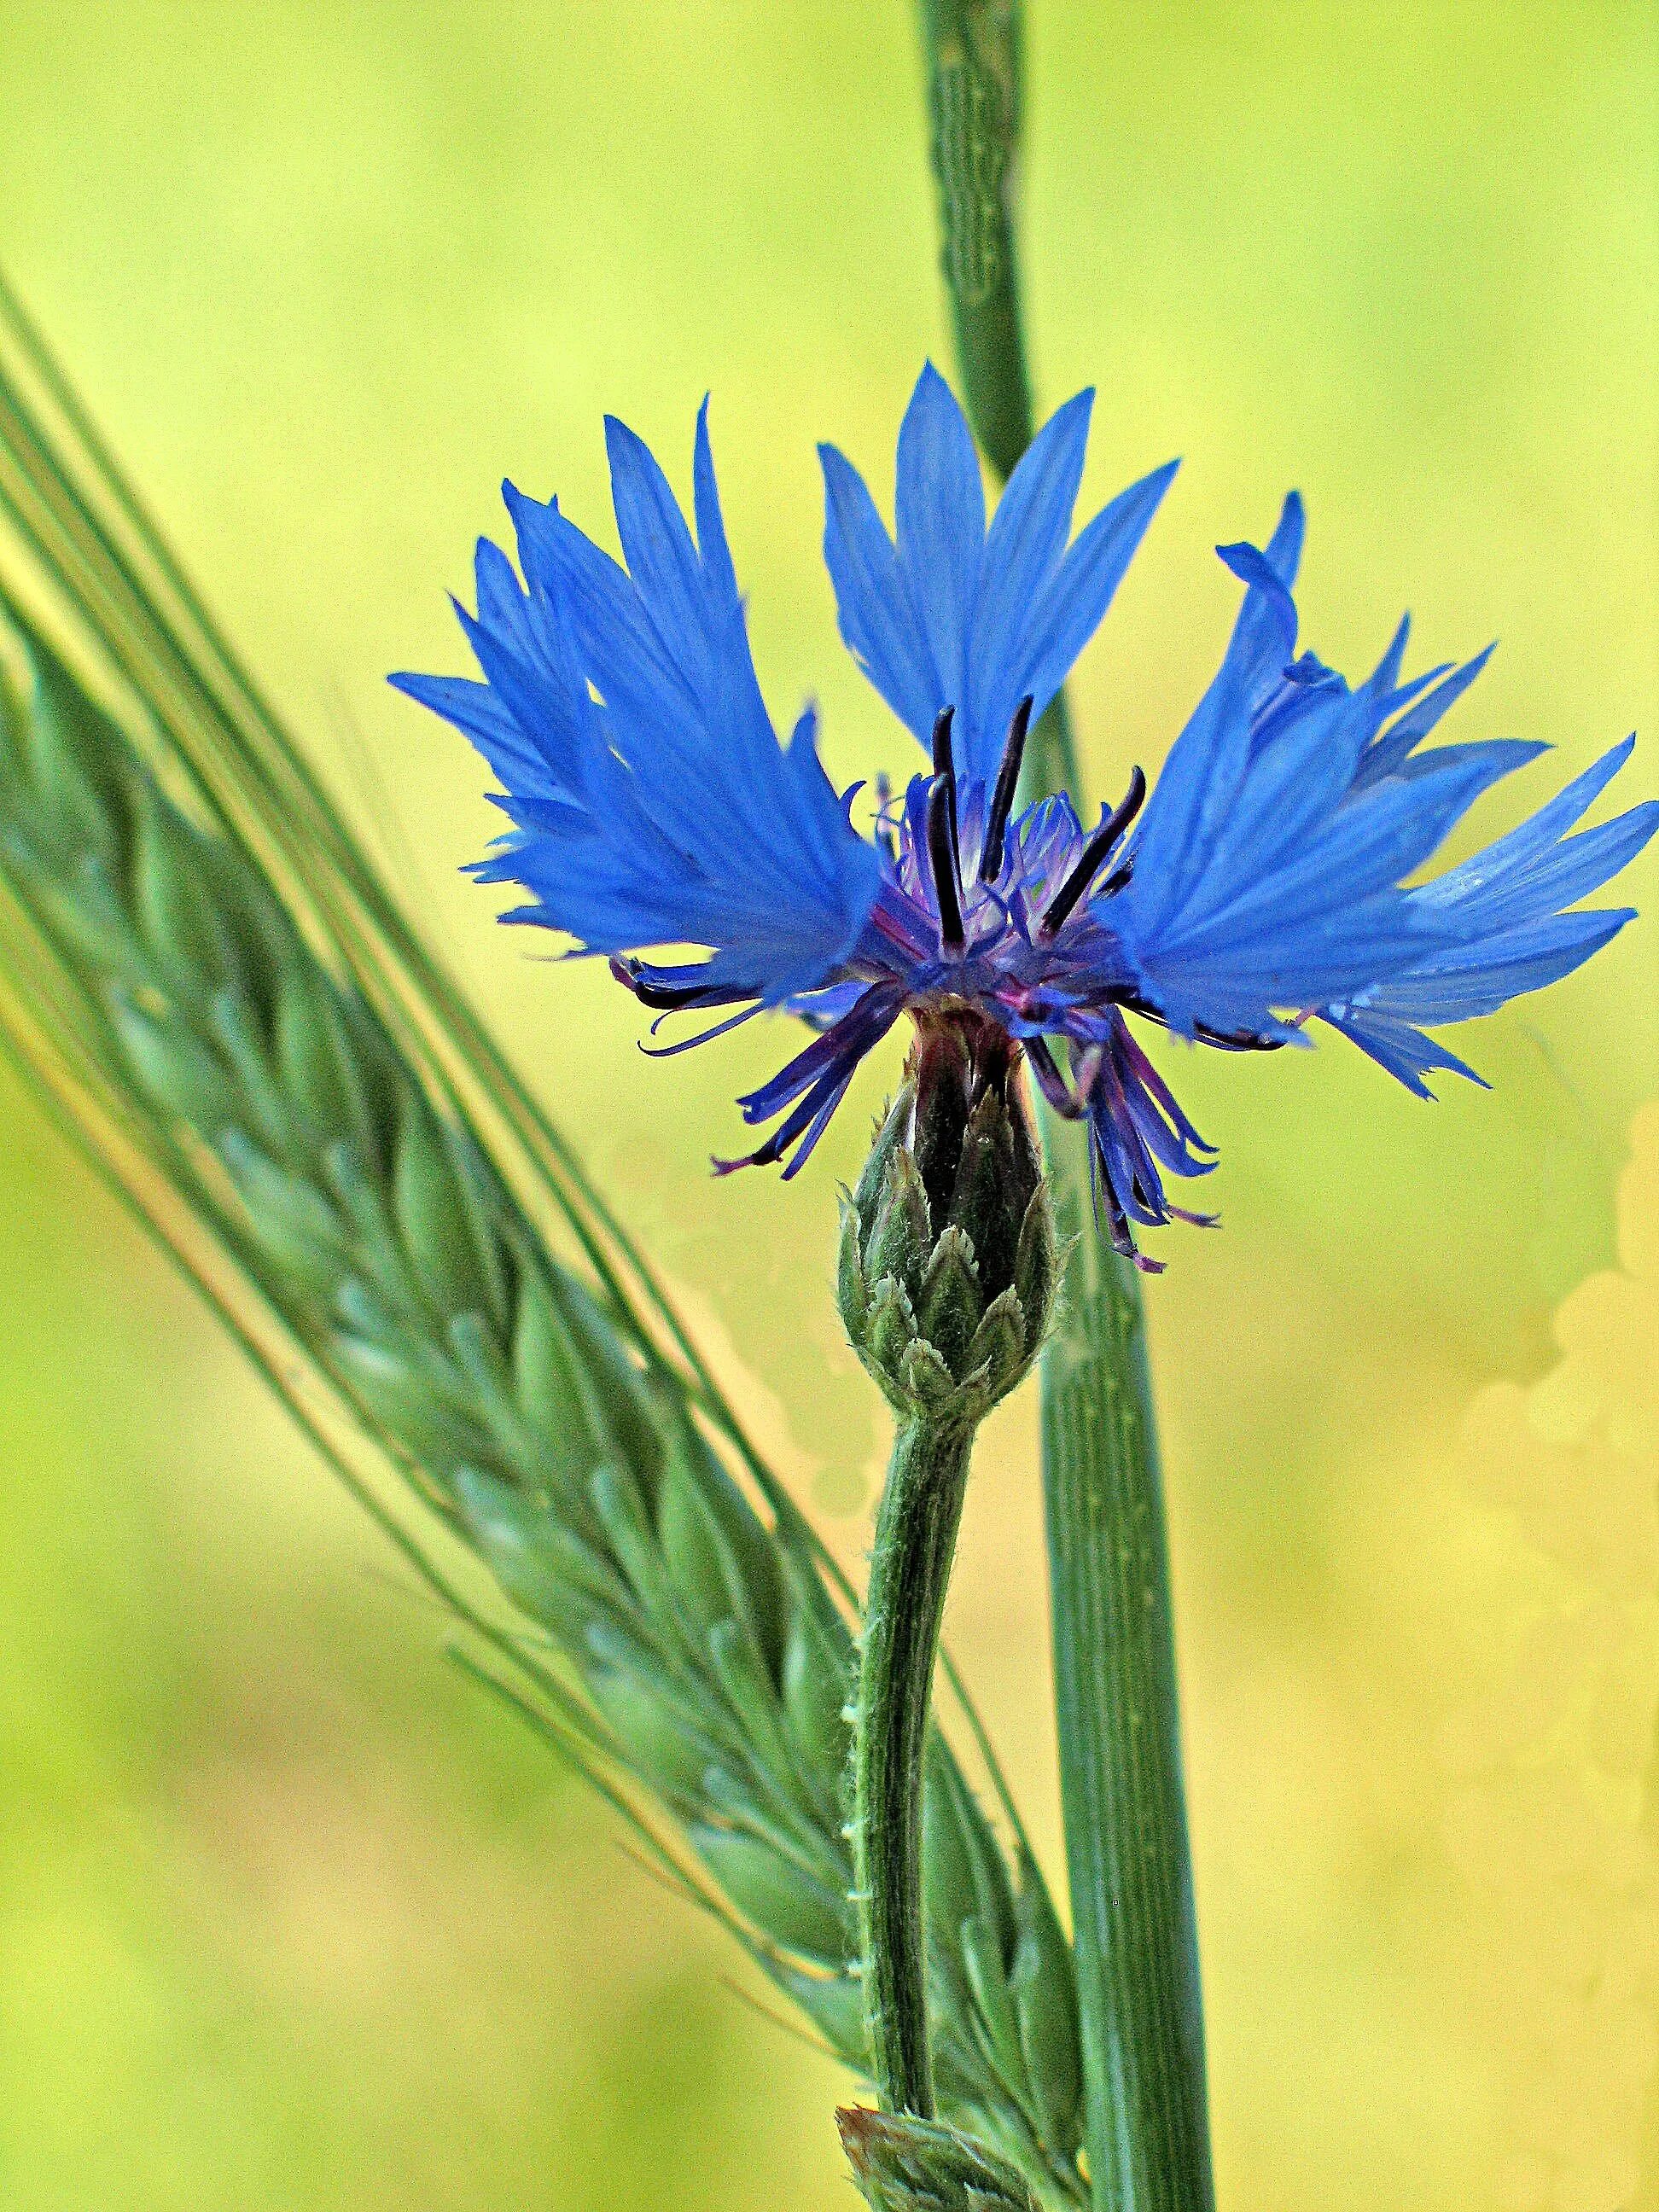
<point>1120,1736</point>
<point>909,1570</point>
<point>1118,1724</point>
<point>973,88</point>
<point>973,55</point>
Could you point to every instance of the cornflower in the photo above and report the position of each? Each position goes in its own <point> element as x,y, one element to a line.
<point>1261,886</point>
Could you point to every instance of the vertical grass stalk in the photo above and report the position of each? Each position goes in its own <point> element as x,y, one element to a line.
<point>1127,1855</point>
<point>1118,1710</point>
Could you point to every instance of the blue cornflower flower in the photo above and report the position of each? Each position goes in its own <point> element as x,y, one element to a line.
<point>1263,885</point>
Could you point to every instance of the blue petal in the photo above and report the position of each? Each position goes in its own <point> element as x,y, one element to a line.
<point>476,711</point>
<point>1500,915</point>
<point>872,602</point>
<point>1462,981</point>
<point>1391,751</point>
<point>667,811</point>
<point>1027,537</point>
<point>1404,1051</point>
<point>1274,607</point>
<point>1576,867</point>
<point>939,508</point>
<point>956,616</point>
<point>1509,860</point>
<point>662,560</point>
<point>1178,830</point>
<point>1269,872</point>
<point>1258,639</point>
<point>1071,609</point>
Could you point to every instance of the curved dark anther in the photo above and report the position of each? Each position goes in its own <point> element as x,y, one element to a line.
<point>1094,855</point>
<point>1002,796</point>
<point>1238,1040</point>
<point>669,998</point>
<point>942,852</point>
<point>945,764</point>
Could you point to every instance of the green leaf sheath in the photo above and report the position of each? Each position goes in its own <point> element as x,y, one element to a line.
<point>211,989</point>
<point>1127,1855</point>
<point>1120,1735</point>
<point>909,1572</point>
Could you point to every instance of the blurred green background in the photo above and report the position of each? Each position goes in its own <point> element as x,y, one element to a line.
<point>289,1918</point>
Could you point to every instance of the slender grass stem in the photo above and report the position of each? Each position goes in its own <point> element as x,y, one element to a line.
<point>1127,1854</point>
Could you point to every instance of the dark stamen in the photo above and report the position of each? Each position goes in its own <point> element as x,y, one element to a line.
<point>671,997</point>
<point>945,765</point>
<point>1002,796</point>
<point>941,851</point>
<point>1094,853</point>
<point>1237,1040</point>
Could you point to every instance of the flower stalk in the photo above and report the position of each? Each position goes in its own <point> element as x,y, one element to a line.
<point>947,1270</point>
<point>909,1572</point>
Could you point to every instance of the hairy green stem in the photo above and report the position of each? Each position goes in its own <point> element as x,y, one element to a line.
<point>1127,1855</point>
<point>909,1571</point>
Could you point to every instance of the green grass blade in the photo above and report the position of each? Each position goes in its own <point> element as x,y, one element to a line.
<point>1127,1854</point>
<point>199,966</point>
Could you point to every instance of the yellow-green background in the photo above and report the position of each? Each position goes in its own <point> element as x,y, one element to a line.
<point>287,1919</point>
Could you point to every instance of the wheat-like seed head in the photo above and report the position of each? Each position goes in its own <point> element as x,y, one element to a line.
<point>700,1661</point>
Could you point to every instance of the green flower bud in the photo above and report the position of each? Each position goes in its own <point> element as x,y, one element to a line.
<point>902,2164</point>
<point>948,1261</point>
